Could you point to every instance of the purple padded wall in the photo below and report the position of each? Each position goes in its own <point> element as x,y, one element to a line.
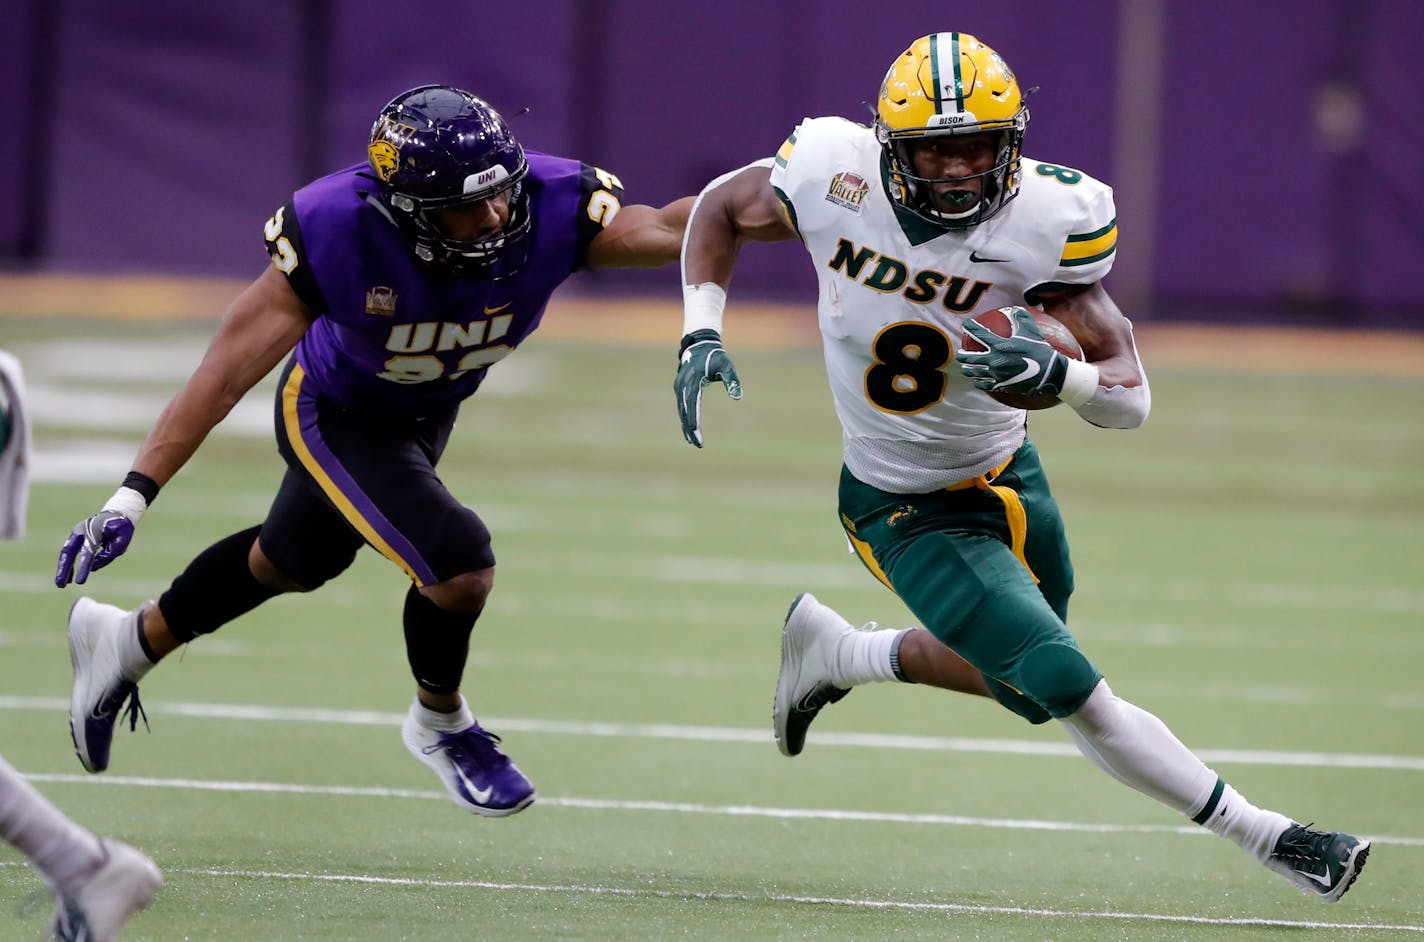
<point>1242,177</point>
<point>698,91</point>
<point>26,111</point>
<point>377,50</point>
<point>174,139</point>
<point>170,130</point>
<point>1390,217</point>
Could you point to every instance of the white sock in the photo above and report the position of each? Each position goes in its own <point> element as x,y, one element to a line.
<point>1138,749</point>
<point>132,659</point>
<point>63,851</point>
<point>864,656</point>
<point>442,722</point>
<point>1253,829</point>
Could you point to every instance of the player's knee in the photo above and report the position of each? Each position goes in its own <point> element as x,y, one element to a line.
<point>1016,702</point>
<point>1058,677</point>
<point>315,571</point>
<point>465,594</point>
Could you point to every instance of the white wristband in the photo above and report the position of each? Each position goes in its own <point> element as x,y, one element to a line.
<point>702,307</point>
<point>1080,383</point>
<point>128,502</point>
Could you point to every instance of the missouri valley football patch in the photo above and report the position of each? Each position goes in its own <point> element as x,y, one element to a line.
<point>848,188</point>
<point>381,301</point>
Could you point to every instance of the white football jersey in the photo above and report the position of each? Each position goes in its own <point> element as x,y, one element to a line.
<point>894,291</point>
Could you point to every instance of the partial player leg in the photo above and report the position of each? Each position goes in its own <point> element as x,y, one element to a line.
<point>59,848</point>
<point>978,594</point>
<point>823,656</point>
<point>111,650</point>
<point>439,729</point>
<point>1138,749</point>
<point>98,907</point>
<point>379,474</point>
<point>98,882</point>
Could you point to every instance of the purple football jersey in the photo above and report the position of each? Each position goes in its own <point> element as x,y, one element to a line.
<point>392,335</point>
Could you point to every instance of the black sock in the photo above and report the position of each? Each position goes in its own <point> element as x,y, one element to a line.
<point>143,640</point>
<point>437,643</point>
<point>217,587</point>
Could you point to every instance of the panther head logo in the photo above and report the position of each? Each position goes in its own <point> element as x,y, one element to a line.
<point>385,159</point>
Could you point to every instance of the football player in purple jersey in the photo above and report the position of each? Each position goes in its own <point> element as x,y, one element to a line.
<point>395,284</point>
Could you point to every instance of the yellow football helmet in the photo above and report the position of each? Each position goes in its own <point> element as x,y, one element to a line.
<point>950,84</point>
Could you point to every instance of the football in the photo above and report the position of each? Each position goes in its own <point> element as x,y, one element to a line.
<point>1061,338</point>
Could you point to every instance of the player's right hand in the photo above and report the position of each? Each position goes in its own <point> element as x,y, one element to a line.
<point>92,545</point>
<point>700,361</point>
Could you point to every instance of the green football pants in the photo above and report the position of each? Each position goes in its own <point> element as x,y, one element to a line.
<point>984,566</point>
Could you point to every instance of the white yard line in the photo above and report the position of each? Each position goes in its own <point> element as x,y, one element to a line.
<point>834,574</point>
<point>729,810</point>
<point>759,737</point>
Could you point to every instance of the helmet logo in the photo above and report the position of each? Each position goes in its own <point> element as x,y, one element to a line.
<point>386,139</point>
<point>384,158</point>
<point>952,119</point>
<point>485,179</point>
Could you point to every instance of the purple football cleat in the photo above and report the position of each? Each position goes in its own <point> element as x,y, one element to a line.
<point>479,777</point>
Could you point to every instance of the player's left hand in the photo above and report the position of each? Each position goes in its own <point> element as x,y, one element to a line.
<point>701,360</point>
<point>1023,363</point>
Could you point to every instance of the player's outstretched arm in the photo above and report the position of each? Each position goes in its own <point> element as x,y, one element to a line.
<point>261,327</point>
<point>734,209</point>
<point>641,237</point>
<point>1121,397</point>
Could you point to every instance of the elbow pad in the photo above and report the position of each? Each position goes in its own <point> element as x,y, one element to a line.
<point>1119,406</point>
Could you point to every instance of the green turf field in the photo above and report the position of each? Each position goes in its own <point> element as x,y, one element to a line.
<point>1248,566</point>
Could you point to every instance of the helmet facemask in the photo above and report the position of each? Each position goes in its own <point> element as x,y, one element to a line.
<point>913,192</point>
<point>495,256</point>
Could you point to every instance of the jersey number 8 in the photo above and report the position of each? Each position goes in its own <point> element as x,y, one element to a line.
<point>908,373</point>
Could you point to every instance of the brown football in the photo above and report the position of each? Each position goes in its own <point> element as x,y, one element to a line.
<point>1062,339</point>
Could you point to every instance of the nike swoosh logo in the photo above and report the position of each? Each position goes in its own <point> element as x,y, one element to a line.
<point>479,796</point>
<point>102,710</point>
<point>1029,372</point>
<point>496,310</point>
<point>976,257</point>
<point>1322,880</point>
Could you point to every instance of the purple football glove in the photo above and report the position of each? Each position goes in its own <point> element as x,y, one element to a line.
<point>92,545</point>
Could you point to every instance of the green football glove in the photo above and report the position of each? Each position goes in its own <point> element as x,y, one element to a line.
<point>1022,363</point>
<point>701,360</point>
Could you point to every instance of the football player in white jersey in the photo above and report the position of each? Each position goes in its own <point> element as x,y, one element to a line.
<point>98,882</point>
<point>914,226</point>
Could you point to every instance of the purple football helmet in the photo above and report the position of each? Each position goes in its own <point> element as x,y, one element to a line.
<point>436,147</point>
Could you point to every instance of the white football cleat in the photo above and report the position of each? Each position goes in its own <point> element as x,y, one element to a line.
<point>808,643</point>
<point>101,689</point>
<point>97,909</point>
